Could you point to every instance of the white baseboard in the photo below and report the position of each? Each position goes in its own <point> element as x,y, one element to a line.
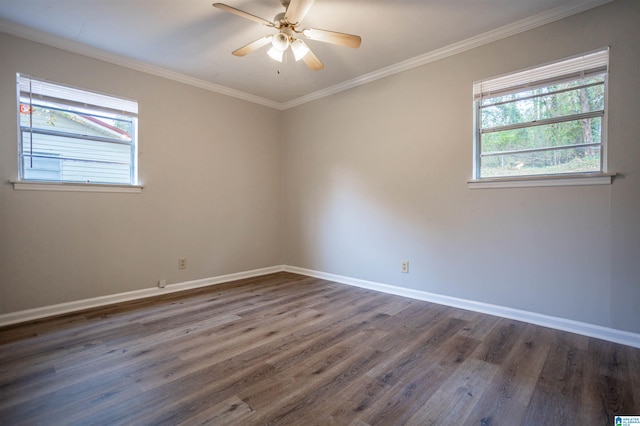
<point>63,308</point>
<point>591,330</point>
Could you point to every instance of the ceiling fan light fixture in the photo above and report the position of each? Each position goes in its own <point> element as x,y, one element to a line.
<point>280,42</point>
<point>275,54</point>
<point>299,49</point>
<point>286,24</point>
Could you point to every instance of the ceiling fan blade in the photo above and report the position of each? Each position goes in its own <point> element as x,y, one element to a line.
<point>312,61</point>
<point>296,10</point>
<point>333,37</point>
<point>254,45</point>
<point>243,14</point>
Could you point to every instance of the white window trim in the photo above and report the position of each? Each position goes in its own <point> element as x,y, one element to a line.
<point>543,180</point>
<point>81,97</point>
<point>24,185</point>
<point>604,177</point>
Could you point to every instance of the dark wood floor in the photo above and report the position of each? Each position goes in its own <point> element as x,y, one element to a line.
<point>287,349</point>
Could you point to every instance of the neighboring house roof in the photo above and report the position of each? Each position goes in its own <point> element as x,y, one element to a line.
<point>77,123</point>
<point>114,131</point>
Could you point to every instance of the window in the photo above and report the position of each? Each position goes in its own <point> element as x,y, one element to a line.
<point>42,166</point>
<point>72,135</point>
<point>547,121</point>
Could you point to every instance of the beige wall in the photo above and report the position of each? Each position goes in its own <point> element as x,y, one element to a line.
<point>210,165</point>
<point>377,175</point>
<point>351,184</point>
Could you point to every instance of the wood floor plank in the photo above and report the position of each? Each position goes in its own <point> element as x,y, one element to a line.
<point>411,389</point>
<point>562,376</point>
<point>416,352</point>
<point>289,349</point>
<point>232,411</point>
<point>355,398</point>
<point>480,327</point>
<point>633,356</point>
<point>318,382</point>
<point>609,390</point>
<point>509,394</point>
<point>458,394</point>
<point>497,345</point>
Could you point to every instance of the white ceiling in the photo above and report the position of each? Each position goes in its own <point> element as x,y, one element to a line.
<point>192,41</point>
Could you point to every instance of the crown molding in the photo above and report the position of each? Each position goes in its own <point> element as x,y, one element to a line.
<point>95,53</point>
<point>514,28</point>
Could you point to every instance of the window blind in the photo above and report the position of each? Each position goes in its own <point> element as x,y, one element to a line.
<point>589,64</point>
<point>55,93</point>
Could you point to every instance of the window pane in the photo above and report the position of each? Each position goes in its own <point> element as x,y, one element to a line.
<point>77,122</point>
<point>551,135</point>
<point>80,160</point>
<point>518,110</point>
<point>81,171</point>
<point>545,120</point>
<point>79,149</point>
<point>526,93</point>
<point>569,160</point>
<point>41,168</point>
<point>72,135</point>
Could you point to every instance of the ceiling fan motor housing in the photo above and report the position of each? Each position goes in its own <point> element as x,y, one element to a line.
<point>278,20</point>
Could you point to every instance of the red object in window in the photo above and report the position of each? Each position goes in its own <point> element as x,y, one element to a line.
<point>26,109</point>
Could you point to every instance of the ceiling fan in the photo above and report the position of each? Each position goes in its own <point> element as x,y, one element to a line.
<point>287,23</point>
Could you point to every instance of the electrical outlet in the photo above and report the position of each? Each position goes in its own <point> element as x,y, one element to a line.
<point>404,268</point>
<point>162,283</point>
<point>182,263</point>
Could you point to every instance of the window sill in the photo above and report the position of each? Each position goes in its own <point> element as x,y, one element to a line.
<point>538,181</point>
<point>74,187</point>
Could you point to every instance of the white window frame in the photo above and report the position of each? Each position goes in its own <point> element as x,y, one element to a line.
<point>72,99</point>
<point>595,62</point>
